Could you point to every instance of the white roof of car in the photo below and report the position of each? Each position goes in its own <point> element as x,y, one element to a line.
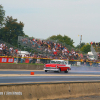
<point>23,52</point>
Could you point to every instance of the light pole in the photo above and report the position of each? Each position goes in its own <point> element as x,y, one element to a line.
<point>80,41</point>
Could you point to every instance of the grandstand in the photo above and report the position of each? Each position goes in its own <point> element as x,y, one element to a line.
<point>44,49</point>
<point>48,48</point>
<point>27,43</point>
<point>7,49</point>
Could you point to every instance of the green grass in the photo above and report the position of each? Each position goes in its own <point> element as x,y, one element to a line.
<point>31,63</point>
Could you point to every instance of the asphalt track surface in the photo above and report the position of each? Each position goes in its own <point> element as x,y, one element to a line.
<point>82,73</point>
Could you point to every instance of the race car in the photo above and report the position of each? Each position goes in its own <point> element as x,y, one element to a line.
<point>57,65</point>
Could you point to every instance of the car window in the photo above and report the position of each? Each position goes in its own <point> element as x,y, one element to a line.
<point>58,62</point>
<point>62,62</point>
<point>55,62</point>
<point>65,63</point>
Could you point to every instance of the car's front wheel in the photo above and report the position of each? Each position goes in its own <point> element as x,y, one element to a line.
<point>45,70</point>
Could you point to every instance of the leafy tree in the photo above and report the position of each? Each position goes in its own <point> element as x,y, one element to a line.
<point>63,39</point>
<point>26,36</point>
<point>2,14</point>
<point>80,46</point>
<point>11,31</point>
<point>86,48</point>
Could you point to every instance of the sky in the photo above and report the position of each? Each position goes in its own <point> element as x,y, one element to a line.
<point>45,18</point>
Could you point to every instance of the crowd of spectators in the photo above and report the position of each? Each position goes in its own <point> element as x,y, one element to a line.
<point>45,48</point>
<point>51,49</point>
<point>48,49</point>
<point>5,51</point>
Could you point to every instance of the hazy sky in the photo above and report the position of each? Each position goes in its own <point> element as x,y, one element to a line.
<point>44,18</point>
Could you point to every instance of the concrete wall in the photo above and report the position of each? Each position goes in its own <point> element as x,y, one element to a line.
<point>50,91</point>
<point>21,66</point>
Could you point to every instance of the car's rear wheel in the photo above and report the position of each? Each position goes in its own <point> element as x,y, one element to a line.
<point>66,70</point>
<point>45,70</point>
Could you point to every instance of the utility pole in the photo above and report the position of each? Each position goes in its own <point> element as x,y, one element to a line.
<point>80,42</point>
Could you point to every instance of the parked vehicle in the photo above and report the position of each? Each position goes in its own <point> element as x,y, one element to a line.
<point>91,56</point>
<point>23,53</point>
<point>57,65</point>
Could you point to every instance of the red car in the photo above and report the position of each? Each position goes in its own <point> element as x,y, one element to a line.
<point>57,65</point>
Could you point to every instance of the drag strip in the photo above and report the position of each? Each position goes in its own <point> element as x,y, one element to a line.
<point>76,74</point>
<point>74,70</point>
<point>51,72</point>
